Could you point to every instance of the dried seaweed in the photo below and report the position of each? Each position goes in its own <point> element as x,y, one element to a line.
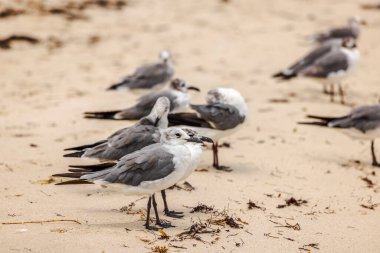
<point>160,249</point>
<point>253,205</point>
<point>7,42</point>
<point>369,182</point>
<point>293,202</point>
<point>369,206</point>
<point>202,208</point>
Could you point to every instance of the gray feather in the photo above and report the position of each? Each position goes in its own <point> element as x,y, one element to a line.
<point>222,116</point>
<point>148,164</point>
<point>364,118</point>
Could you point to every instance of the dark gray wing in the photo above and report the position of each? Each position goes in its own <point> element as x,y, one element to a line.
<point>337,33</point>
<point>147,76</point>
<point>149,164</point>
<point>222,116</point>
<point>332,62</point>
<point>146,103</point>
<point>188,119</point>
<point>306,61</point>
<point>125,141</point>
<point>364,118</point>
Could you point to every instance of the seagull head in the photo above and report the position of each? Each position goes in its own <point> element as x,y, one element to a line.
<point>159,112</point>
<point>227,96</point>
<point>356,20</point>
<point>349,43</point>
<point>165,55</point>
<point>177,136</point>
<point>181,85</point>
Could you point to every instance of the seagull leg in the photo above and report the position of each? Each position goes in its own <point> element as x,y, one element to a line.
<point>158,221</point>
<point>341,94</point>
<point>147,226</point>
<point>215,152</point>
<point>216,159</point>
<point>325,89</point>
<point>332,92</point>
<point>374,161</point>
<point>167,212</point>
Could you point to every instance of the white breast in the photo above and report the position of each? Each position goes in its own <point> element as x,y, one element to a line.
<point>357,134</point>
<point>182,101</point>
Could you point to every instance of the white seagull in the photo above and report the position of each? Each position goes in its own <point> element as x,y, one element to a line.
<point>148,77</point>
<point>127,140</point>
<point>223,114</point>
<point>352,30</point>
<point>147,171</point>
<point>361,123</point>
<point>329,64</point>
<point>177,94</point>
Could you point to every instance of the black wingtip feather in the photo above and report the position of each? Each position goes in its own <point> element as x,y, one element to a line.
<point>283,76</point>
<point>101,115</point>
<point>322,118</point>
<point>75,154</point>
<point>314,123</point>
<point>70,175</point>
<point>94,167</point>
<point>116,86</point>
<point>78,148</point>
<point>77,181</point>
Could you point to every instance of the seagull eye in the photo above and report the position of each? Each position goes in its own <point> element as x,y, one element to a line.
<point>178,135</point>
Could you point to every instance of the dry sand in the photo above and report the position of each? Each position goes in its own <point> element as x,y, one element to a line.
<point>239,44</point>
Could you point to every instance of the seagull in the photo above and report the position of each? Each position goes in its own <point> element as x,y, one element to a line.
<point>148,77</point>
<point>352,30</point>
<point>146,171</point>
<point>361,123</point>
<point>223,114</point>
<point>127,140</point>
<point>177,94</point>
<point>329,64</point>
<point>196,153</point>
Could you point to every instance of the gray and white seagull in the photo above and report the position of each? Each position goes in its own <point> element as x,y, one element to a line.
<point>177,94</point>
<point>223,114</point>
<point>127,140</point>
<point>148,77</point>
<point>352,30</point>
<point>328,64</point>
<point>146,171</point>
<point>361,123</point>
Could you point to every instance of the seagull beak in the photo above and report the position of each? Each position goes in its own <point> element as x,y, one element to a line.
<point>206,139</point>
<point>363,22</point>
<point>193,88</point>
<point>195,139</point>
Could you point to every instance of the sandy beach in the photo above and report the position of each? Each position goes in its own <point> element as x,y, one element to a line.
<point>310,189</point>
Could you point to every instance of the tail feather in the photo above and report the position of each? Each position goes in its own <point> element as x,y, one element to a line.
<point>323,118</point>
<point>75,154</point>
<point>101,115</point>
<point>76,181</point>
<point>70,175</point>
<point>78,148</point>
<point>284,76</point>
<point>94,167</point>
<point>119,85</point>
<point>314,123</point>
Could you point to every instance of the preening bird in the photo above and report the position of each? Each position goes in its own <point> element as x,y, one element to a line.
<point>224,112</point>
<point>127,140</point>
